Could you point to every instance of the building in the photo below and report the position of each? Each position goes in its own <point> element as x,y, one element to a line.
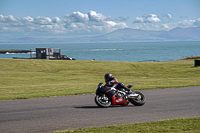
<point>47,53</point>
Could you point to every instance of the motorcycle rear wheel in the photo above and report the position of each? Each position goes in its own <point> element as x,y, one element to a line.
<point>102,100</point>
<point>139,101</point>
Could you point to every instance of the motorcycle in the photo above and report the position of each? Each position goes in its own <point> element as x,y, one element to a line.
<point>107,96</point>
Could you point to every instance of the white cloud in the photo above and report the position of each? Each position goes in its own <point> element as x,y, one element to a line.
<point>111,23</point>
<point>97,17</point>
<point>76,23</point>
<point>77,17</point>
<point>91,23</point>
<point>151,18</point>
<point>42,20</point>
<point>197,22</point>
<point>186,23</point>
<point>139,20</point>
<point>56,20</point>
<point>28,19</point>
<point>28,24</point>
<point>169,16</point>
<point>111,26</point>
<point>121,18</point>
<point>153,22</point>
<point>165,26</point>
<point>6,19</point>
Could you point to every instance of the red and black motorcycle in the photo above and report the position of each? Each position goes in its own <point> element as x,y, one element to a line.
<point>107,96</point>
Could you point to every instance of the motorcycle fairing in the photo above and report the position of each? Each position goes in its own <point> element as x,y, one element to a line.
<point>118,101</point>
<point>101,89</point>
<point>110,92</point>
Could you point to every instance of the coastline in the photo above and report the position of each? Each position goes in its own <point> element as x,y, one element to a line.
<point>14,51</point>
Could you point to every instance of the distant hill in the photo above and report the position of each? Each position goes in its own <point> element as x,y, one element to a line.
<point>135,35</point>
<point>187,34</point>
<point>121,35</point>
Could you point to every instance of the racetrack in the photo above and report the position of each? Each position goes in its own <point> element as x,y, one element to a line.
<point>80,111</point>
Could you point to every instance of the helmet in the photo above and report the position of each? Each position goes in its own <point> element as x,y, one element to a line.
<point>107,77</point>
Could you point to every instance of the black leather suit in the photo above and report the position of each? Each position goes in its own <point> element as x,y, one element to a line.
<point>113,82</point>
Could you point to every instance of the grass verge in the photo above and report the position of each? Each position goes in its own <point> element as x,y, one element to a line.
<point>181,125</point>
<point>22,78</point>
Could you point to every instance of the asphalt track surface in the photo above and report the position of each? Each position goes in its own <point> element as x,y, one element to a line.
<point>80,111</point>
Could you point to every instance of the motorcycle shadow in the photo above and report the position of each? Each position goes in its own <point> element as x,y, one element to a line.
<point>87,107</point>
<point>93,107</point>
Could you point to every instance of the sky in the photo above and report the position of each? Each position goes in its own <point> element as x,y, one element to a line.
<point>77,18</point>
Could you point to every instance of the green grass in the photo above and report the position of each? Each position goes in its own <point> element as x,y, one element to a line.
<point>181,125</point>
<point>29,78</point>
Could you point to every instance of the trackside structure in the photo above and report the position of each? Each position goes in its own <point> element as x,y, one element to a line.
<point>47,53</point>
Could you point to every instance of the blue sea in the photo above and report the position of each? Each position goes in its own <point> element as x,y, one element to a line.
<point>128,51</point>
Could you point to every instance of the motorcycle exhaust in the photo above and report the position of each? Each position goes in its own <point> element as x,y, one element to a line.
<point>135,96</point>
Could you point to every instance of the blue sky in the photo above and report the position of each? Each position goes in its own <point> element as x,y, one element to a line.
<point>73,18</point>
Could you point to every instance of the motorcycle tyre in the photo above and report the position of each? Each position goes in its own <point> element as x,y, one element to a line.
<point>100,104</point>
<point>138,102</point>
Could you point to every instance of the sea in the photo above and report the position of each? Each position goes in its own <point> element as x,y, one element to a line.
<point>123,51</point>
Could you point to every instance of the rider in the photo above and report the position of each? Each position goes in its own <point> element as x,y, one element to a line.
<point>113,82</point>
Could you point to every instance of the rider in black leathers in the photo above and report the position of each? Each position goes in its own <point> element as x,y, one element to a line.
<point>113,82</point>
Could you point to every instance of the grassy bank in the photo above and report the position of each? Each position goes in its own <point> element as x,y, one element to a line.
<point>43,78</point>
<point>182,125</point>
<point>190,58</point>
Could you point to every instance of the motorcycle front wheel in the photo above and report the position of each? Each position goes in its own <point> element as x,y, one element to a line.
<point>102,100</point>
<point>138,101</point>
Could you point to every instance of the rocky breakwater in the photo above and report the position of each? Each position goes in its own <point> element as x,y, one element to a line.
<point>14,51</point>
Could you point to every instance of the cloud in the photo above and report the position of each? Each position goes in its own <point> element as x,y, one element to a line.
<point>197,22</point>
<point>28,19</point>
<point>90,23</point>
<point>90,16</point>
<point>56,20</point>
<point>6,19</point>
<point>153,22</point>
<point>97,17</point>
<point>189,23</point>
<point>43,20</point>
<point>77,17</point>
<point>75,23</point>
<point>25,25</point>
<point>186,23</point>
<point>121,18</point>
<point>139,20</point>
<point>165,26</point>
<point>151,18</point>
<point>169,16</point>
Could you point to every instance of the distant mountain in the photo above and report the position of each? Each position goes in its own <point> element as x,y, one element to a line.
<point>121,35</point>
<point>135,35</point>
<point>187,34</point>
<point>130,35</point>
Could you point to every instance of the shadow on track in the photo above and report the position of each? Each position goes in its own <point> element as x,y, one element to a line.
<point>93,107</point>
<point>87,107</point>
